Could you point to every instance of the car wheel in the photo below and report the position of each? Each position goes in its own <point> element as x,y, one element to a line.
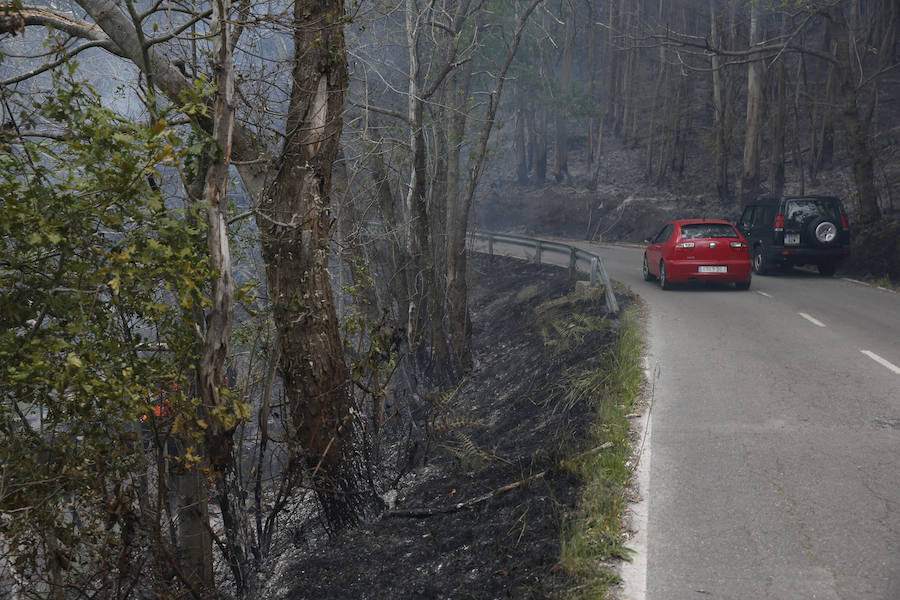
<point>742,285</point>
<point>648,276</point>
<point>663,280</point>
<point>827,269</point>
<point>823,231</point>
<point>760,264</point>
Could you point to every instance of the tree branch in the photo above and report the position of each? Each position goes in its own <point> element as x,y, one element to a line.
<point>35,15</point>
<point>467,504</point>
<point>106,45</point>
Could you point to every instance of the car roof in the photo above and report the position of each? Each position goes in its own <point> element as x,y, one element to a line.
<point>777,199</point>
<point>700,222</point>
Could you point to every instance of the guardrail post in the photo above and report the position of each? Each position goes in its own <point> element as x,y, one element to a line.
<point>573,258</point>
<point>611,304</point>
<point>537,253</point>
<point>594,271</point>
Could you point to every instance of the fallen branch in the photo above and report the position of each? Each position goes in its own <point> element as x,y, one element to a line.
<point>430,512</point>
<point>468,504</point>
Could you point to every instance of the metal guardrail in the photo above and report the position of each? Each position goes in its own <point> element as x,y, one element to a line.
<point>579,260</point>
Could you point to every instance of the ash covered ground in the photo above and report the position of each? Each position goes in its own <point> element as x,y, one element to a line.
<point>502,427</point>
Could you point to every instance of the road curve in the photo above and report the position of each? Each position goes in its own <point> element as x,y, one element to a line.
<point>775,438</point>
<point>773,460</point>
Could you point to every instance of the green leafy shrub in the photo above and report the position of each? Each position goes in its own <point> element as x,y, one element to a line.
<point>99,271</point>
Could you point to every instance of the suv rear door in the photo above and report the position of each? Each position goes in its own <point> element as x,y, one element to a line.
<point>803,216</point>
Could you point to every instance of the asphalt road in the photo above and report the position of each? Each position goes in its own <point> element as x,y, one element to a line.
<point>772,468</point>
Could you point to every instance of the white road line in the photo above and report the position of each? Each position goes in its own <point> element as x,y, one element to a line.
<point>634,572</point>
<point>812,320</point>
<point>763,294</point>
<point>882,362</point>
<point>870,285</point>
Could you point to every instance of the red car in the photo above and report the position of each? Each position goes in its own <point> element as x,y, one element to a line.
<point>698,250</point>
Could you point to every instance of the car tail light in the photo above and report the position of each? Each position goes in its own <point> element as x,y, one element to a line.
<point>844,222</point>
<point>779,223</point>
<point>738,245</point>
<point>682,245</point>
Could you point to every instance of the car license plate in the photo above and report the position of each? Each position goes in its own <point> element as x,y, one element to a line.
<point>791,239</point>
<point>713,269</point>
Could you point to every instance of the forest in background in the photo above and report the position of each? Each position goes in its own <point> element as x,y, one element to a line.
<point>234,234</point>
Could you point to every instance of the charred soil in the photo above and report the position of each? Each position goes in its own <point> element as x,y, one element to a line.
<point>483,516</point>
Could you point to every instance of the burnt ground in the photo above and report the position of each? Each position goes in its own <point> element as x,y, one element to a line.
<point>503,426</point>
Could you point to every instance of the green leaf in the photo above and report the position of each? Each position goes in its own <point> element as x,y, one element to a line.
<point>158,128</point>
<point>242,410</point>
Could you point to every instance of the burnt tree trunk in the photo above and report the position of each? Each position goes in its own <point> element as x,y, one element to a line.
<point>458,291</point>
<point>295,225</point>
<point>460,326</point>
<point>427,302</point>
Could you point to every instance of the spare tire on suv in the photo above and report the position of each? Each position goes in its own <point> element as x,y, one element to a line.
<point>790,231</point>
<point>823,231</point>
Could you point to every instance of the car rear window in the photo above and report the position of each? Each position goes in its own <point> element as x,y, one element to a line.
<point>801,211</point>
<point>708,230</point>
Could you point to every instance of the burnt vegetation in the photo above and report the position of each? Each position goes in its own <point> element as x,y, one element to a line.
<point>482,510</point>
<point>241,322</point>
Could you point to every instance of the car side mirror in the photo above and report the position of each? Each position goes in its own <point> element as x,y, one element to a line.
<point>648,241</point>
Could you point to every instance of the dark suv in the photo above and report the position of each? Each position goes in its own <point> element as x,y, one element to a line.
<point>796,230</point>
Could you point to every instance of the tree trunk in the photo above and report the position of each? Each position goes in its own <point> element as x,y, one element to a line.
<point>719,108</point>
<point>539,134</point>
<point>427,309</point>
<point>753,134</point>
<point>458,289</point>
<point>396,259</point>
<point>457,222</point>
<point>194,539</point>
<point>561,145</point>
<point>856,127</point>
<point>242,550</point>
<point>591,67</point>
<point>293,219</point>
<point>598,154</point>
<point>295,225</point>
<point>822,144</point>
<point>798,153</point>
<point>519,149</point>
<point>777,122</point>
<point>656,132</point>
<point>777,102</point>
